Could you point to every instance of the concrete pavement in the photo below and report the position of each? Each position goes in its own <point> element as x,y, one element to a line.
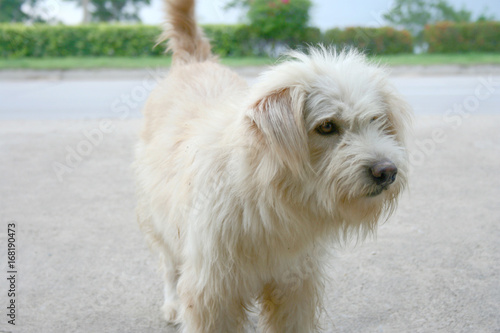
<point>83,265</point>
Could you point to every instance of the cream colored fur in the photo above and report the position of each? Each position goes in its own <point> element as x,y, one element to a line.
<point>240,194</point>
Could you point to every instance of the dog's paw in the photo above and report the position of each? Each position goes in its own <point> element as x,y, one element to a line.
<point>169,310</point>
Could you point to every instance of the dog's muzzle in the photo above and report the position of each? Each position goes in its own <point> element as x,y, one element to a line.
<point>383,174</point>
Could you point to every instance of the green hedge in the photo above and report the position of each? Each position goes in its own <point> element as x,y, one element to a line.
<point>448,37</point>
<point>139,40</point>
<point>230,40</point>
<point>308,36</point>
<point>85,40</point>
<point>241,40</point>
<point>383,40</point>
<point>126,40</point>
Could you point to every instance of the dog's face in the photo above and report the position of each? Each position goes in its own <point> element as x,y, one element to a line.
<point>335,123</point>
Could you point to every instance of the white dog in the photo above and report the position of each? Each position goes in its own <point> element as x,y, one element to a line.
<point>242,189</point>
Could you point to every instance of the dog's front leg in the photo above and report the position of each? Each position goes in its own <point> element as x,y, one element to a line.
<point>290,307</point>
<point>210,303</point>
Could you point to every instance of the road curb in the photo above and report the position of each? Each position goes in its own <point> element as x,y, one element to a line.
<point>102,74</point>
<point>444,70</point>
<point>133,74</point>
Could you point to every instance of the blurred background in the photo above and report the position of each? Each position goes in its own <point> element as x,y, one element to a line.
<point>74,75</point>
<point>469,30</point>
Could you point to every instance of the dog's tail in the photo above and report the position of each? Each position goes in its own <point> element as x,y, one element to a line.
<point>185,39</point>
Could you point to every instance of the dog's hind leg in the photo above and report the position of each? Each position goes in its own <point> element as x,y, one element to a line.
<point>171,276</point>
<point>168,264</point>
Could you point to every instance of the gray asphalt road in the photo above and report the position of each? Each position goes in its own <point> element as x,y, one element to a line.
<point>83,265</point>
<point>123,98</point>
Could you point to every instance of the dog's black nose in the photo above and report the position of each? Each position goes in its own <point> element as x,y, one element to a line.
<point>384,172</point>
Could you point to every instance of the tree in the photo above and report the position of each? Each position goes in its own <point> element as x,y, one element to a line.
<point>414,15</point>
<point>10,10</point>
<point>86,11</point>
<point>112,10</point>
<point>276,20</point>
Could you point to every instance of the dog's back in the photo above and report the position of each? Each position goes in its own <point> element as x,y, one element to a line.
<point>185,120</point>
<point>196,79</point>
<point>197,94</point>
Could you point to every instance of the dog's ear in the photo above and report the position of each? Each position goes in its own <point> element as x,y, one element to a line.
<point>279,118</point>
<point>399,114</point>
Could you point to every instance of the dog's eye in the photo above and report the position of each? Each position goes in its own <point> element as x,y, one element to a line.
<point>328,128</point>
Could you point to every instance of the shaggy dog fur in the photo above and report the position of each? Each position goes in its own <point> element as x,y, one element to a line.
<point>241,190</point>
